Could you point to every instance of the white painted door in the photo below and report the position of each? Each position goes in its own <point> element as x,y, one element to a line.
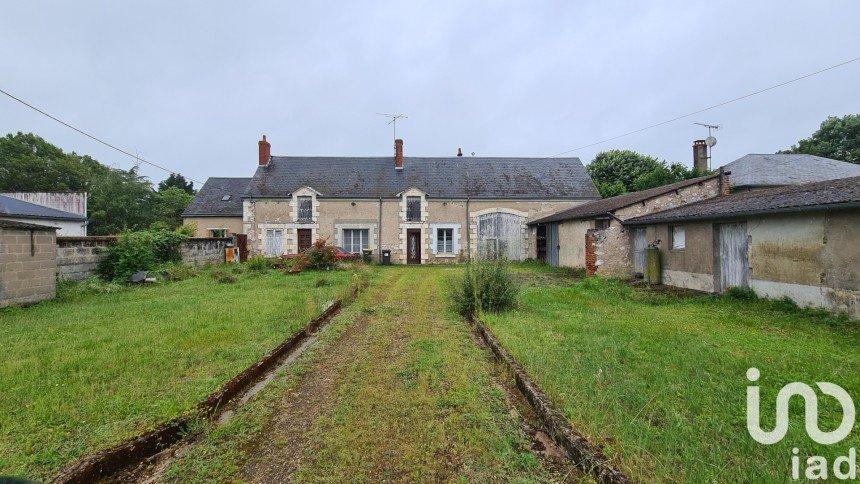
<point>274,242</point>
<point>733,255</point>
<point>639,246</point>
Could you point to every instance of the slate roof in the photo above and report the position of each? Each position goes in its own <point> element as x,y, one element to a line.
<point>455,177</point>
<point>755,170</point>
<point>209,199</point>
<point>12,207</point>
<point>829,194</point>
<point>12,224</point>
<point>608,205</point>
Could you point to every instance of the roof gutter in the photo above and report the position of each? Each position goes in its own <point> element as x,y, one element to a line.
<point>752,213</point>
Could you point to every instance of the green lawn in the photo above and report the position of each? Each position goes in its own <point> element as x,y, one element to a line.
<point>85,372</point>
<point>659,380</point>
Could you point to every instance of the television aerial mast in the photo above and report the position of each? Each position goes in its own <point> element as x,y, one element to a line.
<point>394,118</point>
<point>710,140</point>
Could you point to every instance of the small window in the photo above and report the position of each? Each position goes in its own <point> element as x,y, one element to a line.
<point>601,223</point>
<point>225,198</point>
<point>354,240</point>
<point>444,241</point>
<point>413,209</point>
<point>676,233</point>
<point>218,232</point>
<point>306,209</point>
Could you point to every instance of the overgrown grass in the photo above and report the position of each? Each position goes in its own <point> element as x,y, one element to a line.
<point>105,361</point>
<point>659,380</point>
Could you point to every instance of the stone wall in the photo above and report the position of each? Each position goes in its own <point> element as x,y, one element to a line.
<point>27,265</point>
<point>79,257</point>
<point>595,241</point>
<point>199,251</point>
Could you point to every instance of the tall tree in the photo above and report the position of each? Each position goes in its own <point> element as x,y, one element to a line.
<point>168,206</point>
<point>837,138</point>
<point>120,200</point>
<point>616,172</point>
<point>178,181</point>
<point>29,163</point>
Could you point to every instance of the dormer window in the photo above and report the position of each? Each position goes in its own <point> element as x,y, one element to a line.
<point>306,209</point>
<point>413,209</point>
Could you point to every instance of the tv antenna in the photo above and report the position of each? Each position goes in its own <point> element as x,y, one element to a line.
<point>394,118</point>
<point>710,141</point>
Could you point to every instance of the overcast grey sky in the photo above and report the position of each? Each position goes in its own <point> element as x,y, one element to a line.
<point>193,85</point>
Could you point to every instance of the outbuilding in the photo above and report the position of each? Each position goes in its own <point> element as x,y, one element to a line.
<point>797,241</point>
<point>28,263</point>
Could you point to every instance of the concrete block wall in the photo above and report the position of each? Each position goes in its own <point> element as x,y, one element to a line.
<point>79,257</point>
<point>199,251</point>
<point>27,266</point>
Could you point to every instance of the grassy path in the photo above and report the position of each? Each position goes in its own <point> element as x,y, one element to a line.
<point>397,391</point>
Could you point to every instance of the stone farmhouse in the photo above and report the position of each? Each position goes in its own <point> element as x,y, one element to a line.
<point>421,210</point>
<point>796,241</point>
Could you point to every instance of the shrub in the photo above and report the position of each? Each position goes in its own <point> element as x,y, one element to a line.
<point>223,276</point>
<point>320,256</point>
<point>322,281</point>
<point>140,251</point>
<point>188,229</point>
<point>258,263</point>
<point>486,286</point>
<point>177,271</point>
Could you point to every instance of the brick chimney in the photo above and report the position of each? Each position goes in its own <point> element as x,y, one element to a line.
<point>398,154</point>
<point>700,155</point>
<point>459,152</point>
<point>265,151</point>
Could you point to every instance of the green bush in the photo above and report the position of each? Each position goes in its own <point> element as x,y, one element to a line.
<point>140,251</point>
<point>486,286</point>
<point>320,256</point>
<point>741,294</point>
<point>259,263</point>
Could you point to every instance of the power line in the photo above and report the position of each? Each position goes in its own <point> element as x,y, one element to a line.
<point>135,157</point>
<point>707,108</point>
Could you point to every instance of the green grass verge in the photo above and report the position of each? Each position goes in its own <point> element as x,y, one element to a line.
<point>91,369</point>
<point>660,381</point>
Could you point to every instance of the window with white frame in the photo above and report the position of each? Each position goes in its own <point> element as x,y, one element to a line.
<point>678,237</point>
<point>413,209</point>
<point>306,209</point>
<point>218,232</point>
<point>444,241</point>
<point>354,240</point>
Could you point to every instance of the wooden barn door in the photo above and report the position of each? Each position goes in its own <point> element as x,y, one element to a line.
<point>733,255</point>
<point>553,244</point>
<point>639,246</point>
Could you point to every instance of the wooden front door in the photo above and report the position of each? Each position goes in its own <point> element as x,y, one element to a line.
<point>305,239</point>
<point>733,255</point>
<point>640,243</point>
<point>413,246</point>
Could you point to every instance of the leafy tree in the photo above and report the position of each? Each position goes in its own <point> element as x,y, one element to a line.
<point>616,172</point>
<point>619,166</point>
<point>168,205</point>
<point>120,200</point>
<point>178,181</point>
<point>837,138</point>
<point>28,163</point>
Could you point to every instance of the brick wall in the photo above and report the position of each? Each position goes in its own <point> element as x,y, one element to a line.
<point>595,239</point>
<point>27,265</point>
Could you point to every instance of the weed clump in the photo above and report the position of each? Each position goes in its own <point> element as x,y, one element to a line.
<point>259,263</point>
<point>486,286</point>
<point>223,276</point>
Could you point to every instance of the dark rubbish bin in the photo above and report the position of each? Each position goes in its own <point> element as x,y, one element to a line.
<point>386,257</point>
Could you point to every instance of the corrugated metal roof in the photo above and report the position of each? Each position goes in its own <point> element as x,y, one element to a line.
<point>12,207</point>
<point>844,192</point>
<point>210,199</point>
<point>455,177</point>
<point>756,170</point>
<point>607,205</point>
